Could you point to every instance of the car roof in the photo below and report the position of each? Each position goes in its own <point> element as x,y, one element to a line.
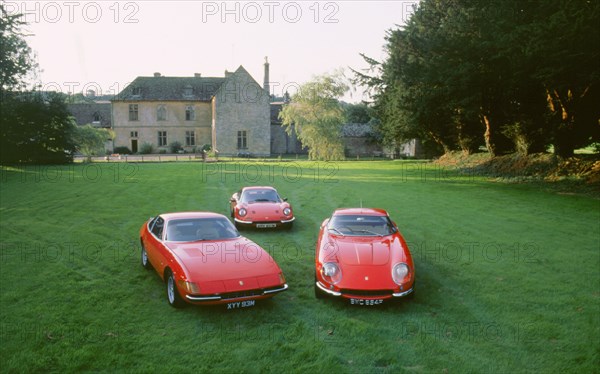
<point>187,215</point>
<point>360,211</point>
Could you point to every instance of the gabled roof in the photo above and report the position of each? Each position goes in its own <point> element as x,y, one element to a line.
<point>171,89</point>
<point>238,73</point>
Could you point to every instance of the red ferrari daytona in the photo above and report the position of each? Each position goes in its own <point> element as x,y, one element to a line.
<point>203,260</point>
<point>361,256</point>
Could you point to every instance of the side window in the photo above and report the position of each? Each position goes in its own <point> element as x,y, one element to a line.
<point>157,226</point>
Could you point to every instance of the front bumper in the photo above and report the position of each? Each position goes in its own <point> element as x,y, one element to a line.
<point>338,294</point>
<point>228,297</point>
<point>278,222</point>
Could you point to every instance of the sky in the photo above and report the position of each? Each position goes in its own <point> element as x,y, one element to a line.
<point>104,45</point>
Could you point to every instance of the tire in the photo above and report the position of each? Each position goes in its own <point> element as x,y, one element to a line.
<point>173,296</point>
<point>144,257</point>
<point>288,226</point>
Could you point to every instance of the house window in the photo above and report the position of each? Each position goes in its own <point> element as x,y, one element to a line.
<point>133,112</point>
<point>162,138</point>
<point>187,91</point>
<point>242,140</point>
<point>133,134</point>
<point>190,115</point>
<point>161,113</point>
<point>190,138</point>
<point>96,117</point>
<point>136,91</point>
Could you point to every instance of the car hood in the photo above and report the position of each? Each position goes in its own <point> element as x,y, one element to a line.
<point>357,251</point>
<point>265,207</point>
<point>207,261</point>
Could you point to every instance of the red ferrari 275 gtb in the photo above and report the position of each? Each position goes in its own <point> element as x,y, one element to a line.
<point>361,256</point>
<point>203,260</point>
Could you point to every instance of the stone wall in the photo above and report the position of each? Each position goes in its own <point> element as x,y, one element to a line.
<point>361,146</point>
<point>282,143</point>
<point>147,125</point>
<point>241,104</point>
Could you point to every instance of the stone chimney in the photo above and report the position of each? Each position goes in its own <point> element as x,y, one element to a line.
<point>266,86</point>
<point>157,74</point>
<point>197,75</point>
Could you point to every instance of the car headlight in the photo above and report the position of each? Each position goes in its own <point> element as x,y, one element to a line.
<point>400,272</point>
<point>242,212</point>
<point>287,211</point>
<point>190,287</point>
<point>331,272</point>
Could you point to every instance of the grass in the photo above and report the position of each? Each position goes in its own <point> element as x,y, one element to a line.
<point>508,275</point>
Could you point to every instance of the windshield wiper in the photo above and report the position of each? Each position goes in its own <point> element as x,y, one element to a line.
<point>368,232</point>
<point>336,230</point>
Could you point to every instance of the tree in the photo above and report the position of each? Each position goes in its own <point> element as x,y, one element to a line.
<point>90,140</point>
<point>315,114</point>
<point>35,128</point>
<point>16,59</point>
<point>356,113</point>
<point>513,75</point>
<point>565,43</point>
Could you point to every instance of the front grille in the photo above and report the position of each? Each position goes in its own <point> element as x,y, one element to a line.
<point>240,294</point>
<point>248,293</point>
<point>366,292</point>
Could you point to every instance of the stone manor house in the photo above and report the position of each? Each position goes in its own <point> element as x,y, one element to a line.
<point>233,114</point>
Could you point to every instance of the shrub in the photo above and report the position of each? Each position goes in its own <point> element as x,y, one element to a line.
<point>122,150</point>
<point>175,147</point>
<point>146,149</point>
<point>162,151</point>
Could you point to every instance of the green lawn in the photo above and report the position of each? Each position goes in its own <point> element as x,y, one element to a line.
<point>508,276</point>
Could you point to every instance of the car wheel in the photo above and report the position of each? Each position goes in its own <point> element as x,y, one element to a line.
<point>145,262</point>
<point>289,225</point>
<point>173,296</point>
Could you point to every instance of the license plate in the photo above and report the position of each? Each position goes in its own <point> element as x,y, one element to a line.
<point>241,304</point>
<point>265,225</point>
<point>366,302</point>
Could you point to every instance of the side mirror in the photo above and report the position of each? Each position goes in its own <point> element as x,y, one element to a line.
<point>285,199</point>
<point>325,222</point>
<point>233,200</point>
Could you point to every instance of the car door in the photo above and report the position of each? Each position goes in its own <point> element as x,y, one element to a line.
<point>154,243</point>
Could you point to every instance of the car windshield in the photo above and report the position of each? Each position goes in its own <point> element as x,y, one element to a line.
<point>260,195</point>
<point>361,225</point>
<point>194,229</point>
